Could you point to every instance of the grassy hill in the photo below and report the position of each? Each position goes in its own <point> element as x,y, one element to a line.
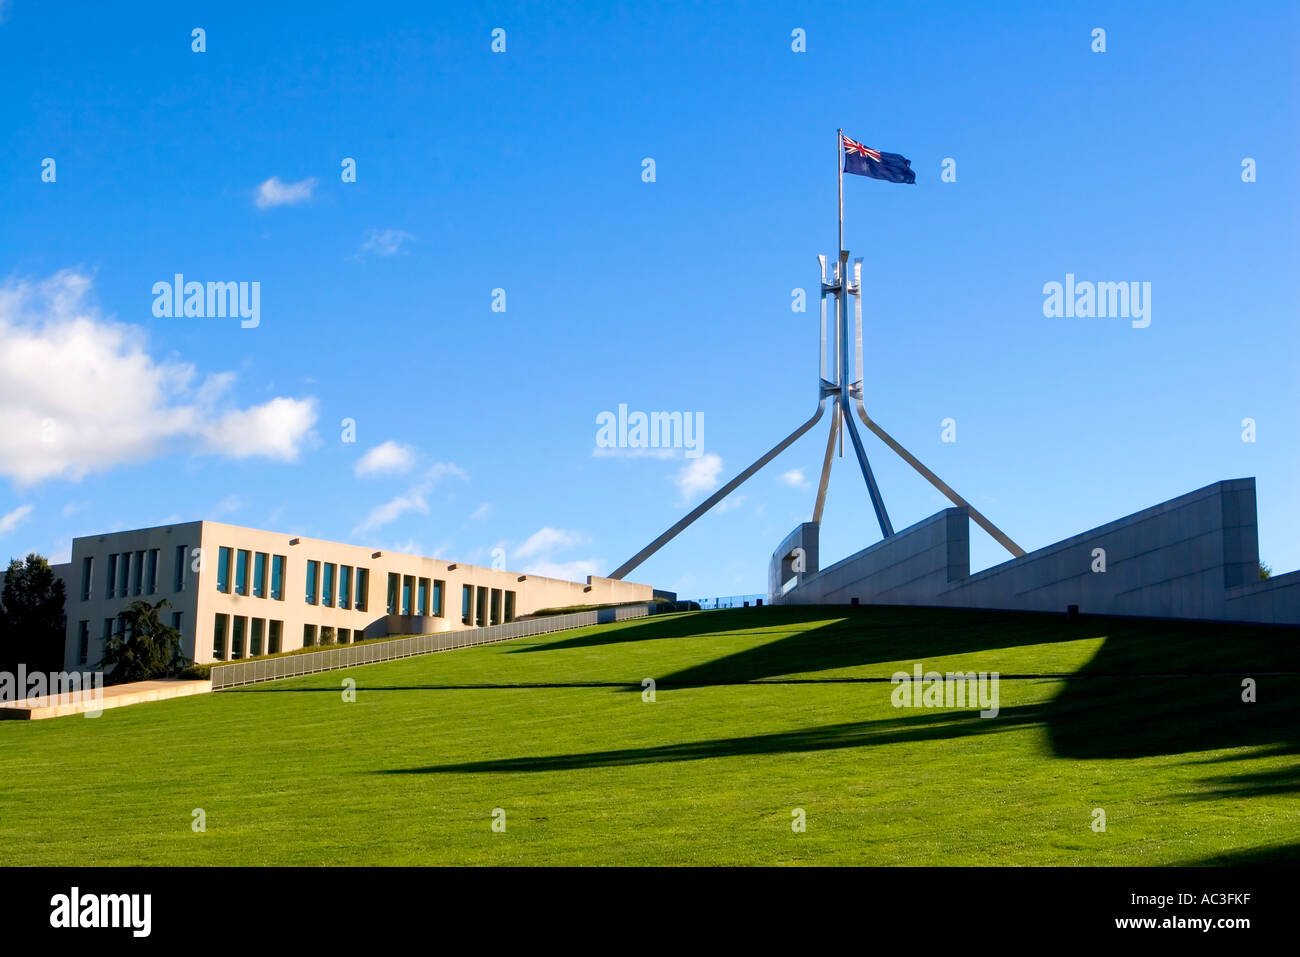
<point>757,712</point>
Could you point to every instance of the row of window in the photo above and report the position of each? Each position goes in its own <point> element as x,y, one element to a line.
<point>249,571</point>
<point>486,606</point>
<point>322,579</point>
<point>83,635</point>
<point>247,637</point>
<point>428,595</point>
<point>132,573</point>
<point>330,635</point>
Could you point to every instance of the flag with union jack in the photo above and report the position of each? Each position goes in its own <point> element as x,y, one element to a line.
<point>865,161</point>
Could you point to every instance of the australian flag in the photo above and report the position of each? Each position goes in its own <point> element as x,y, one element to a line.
<point>868,162</point>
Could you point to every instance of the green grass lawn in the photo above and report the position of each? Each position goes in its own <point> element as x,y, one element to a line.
<point>758,712</point>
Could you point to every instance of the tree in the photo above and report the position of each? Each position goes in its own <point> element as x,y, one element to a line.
<point>33,624</point>
<point>143,647</point>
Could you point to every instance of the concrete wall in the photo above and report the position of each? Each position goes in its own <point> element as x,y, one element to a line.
<point>199,601</point>
<point>794,560</point>
<point>100,606</point>
<point>1195,556</point>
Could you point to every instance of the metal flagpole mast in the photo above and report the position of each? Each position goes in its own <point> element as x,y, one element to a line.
<point>839,174</point>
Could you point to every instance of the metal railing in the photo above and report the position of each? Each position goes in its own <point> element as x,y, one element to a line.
<point>730,601</point>
<point>256,670</point>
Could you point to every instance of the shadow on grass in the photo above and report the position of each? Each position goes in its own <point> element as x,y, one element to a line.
<point>1272,856</point>
<point>1153,688</point>
<point>852,637</point>
<point>929,726</point>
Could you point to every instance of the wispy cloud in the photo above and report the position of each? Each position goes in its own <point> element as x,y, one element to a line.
<point>793,478</point>
<point>387,458</point>
<point>698,476</point>
<point>276,192</point>
<point>414,499</point>
<point>12,520</point>
<point>539,551</point>
<point>574,571</point>
<point>384,242</point>
<point>547,540</point>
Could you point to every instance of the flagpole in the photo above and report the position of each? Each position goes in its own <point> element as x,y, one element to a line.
<point>839,172</point>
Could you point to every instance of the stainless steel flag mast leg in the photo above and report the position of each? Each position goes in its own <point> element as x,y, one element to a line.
<point>826,465</point>
<point>717,496</point>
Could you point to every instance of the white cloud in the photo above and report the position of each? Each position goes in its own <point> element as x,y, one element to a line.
<point>228,505</point>
<point>386,458</point>
<point>384,242</point>
<point>700,475</point>
<point>547,540</point>
<point>392,510</point>
<point>793,478</point>
<point>276,192</point>
<point>481,512</point>
<point>441,470</point>
<point>408,547</point>
<point>15,518</point>
<point>276,430</point>
<point>574,571</point>
<point>541,547</point>
<point>412,500</point>
<point>80,394</point>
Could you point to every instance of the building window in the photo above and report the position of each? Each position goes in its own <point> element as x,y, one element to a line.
<point>466,603</point>
<point>219,637</point>
<point>363,586</point>
<point>123,574</point>
<point>327,636</point>
<point>345,586</point>
<point>273,633</point>
<point>480,607</point>
<point>139,573</point>
<point>495,618</point>
<point>344,635</point>
<point>308,635</point>
<point>313,573</point>
<point>327,585</point>
<point>223,569</point>
<point>394,582</point>
<point>439,587</point>
<point>277,578</point>
<point>241,571</point>
<point>87,566</point>
<point>510,606</point>
<point>256,628</point>
<point>259,575</point>
<point>83,642</point>
<point>108,632</point>
<point>182,553</point>
<point>152,577</point>
<point>112,575</point>
<point>176,621</point>
<point>408,583</point>
<point>237,637</point>
<point>422,598</point>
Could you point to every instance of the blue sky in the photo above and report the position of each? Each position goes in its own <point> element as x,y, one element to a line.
<point>522,171</point>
